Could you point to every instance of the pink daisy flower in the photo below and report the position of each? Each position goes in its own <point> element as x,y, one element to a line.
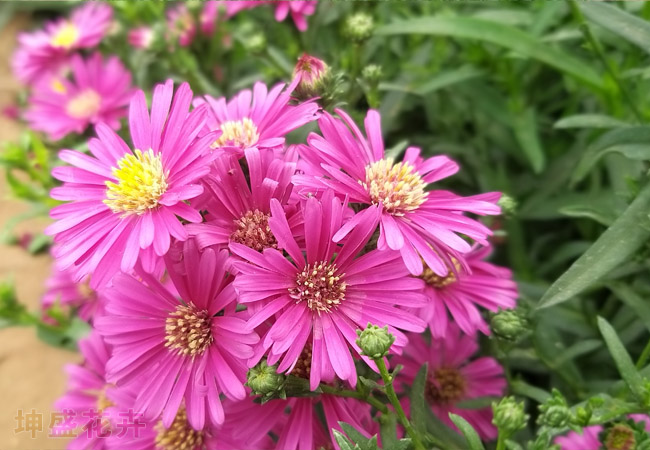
<point>296,422</point>
<point>61,288</point>
<point>45,51</point>
<point>181,25</point>
<point>174,349</point>
<point>325,295</point>
<point>257,118</point>
<point>420,224</point>
<point>463,290</point>
<point>453,378</point>
<point>239,212</point>
<point>298,9</point>
<point>99,91</point>
<point>588,439</point>
<point>141,37</point>
<point>208,17</point>
<point>123,202</point>
<point>84,405</point>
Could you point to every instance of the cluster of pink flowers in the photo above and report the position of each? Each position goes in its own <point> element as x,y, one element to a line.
<point>203,243</point>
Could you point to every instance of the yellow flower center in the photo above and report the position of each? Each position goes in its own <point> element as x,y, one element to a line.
<point>141,182</point>
<point>237,133</point>
<point>188,330</point>
<point>398,187</point>
<point>83,105</point>
<point>320,286</point>
<point>57,86</point>
<point>66,36</point>
<point>437,281</point>
<point>179,436</point>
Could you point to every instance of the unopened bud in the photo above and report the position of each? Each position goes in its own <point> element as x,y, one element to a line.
<point>375,341</point>
<point>372,73</point>
<point>312,73</point>
<point>508,204</point>
<point>264,380</point>
<point>141,37</point>
<point>555,412</point>
<point>508,324</point>
<point>509,416</point>
<point>358,27</point>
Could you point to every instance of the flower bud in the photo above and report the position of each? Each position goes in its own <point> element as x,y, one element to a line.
<point>372,73</point>
<point>264,380</point>
<point>508,324</point>
<point>555,412</point>
<point>358,27</point>
<point>374,341</point>
<point>508,204</point>
<point>509,416</point>
<point>619,436</point>
<point>141,37</point>
<point>312,73</point>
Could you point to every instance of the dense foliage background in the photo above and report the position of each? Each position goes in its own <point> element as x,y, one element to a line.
<point>547,102</point>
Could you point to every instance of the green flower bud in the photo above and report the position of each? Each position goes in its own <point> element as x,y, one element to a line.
<point>555,412</point>
<point>509,416</point>
<point>374,341</point>
<point>372,73</point>
<point>508,204</point>
<point>508,324</point>
<point>255,43</point>
<point>358,27</point>
<point>264,380</point>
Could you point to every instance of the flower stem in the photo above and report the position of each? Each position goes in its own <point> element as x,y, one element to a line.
<point>355,394</point>
<point>392,396</point>
<point>501,442</point>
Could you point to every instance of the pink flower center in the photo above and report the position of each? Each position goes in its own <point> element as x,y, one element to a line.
<point>253,230</point>
<point>188,330</point>
<point>437,281</point>
<point>179,436</point>
<point>446,386</point>
<point>237,133</point>
<point>84,105</point>
<point>398,187</point>
<point>320,286</point>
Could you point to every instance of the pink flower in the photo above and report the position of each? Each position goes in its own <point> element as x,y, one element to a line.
<point>452,378</point>
<point>257,119</point>
<point>208,17</point>
<point>172,350</point>
<point>326,295</point>
<point>421,224</point>
<point>99,91</point>
<point>588,439</point>
<point>124,202</point>
<point>237,212</point>
<point>296,422</point>
<point>141,37</point>
<point>463,290</point>
<point>298,9</point>
<point>309,73</point>
<point>87,398</point>
<point>43,52</point>
<point>61,287</point>
<point>181,25</point>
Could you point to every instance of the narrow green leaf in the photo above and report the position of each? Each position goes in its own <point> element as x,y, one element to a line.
<point>614,19</point>
<point>388,430</point>
<point>343,442</point>
<point>639,305</point>
<point>520,387</point>
<point>603,216</point>
<point>626,235</point>
<point>354,435</point>
<point>448,78</point>
<point>419,406</point>
<point>589,121</point>
<point>624,363</point>
<point>499,34</point>
<point>525,129</point>
<point>623,140</point>
<point>473,440</point>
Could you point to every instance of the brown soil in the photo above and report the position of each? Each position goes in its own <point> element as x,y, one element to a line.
<point>31,372</point>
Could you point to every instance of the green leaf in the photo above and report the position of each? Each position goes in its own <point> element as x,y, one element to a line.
<point>633,142</point>
<point>499,34</point>
<point>639,305</point>
<point>520,387</point>
<point>354,435</point>
<point>614,19</point>
<point>601,215</point>
<point>589,121</point>
<point>624,363</point>
<point>525,129</point>
<point>473,440</point>
<point>448,78</point>
<point>626,235</point>
<point>343,442</point>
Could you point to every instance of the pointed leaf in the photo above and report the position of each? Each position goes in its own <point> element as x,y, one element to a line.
<point>473,440</point>
<point>629,27</point>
